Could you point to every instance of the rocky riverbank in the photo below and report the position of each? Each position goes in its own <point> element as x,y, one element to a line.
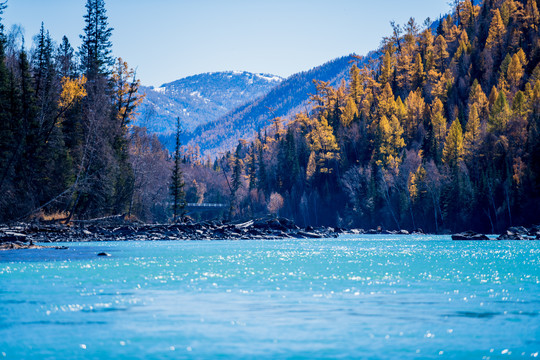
<point>25,235</point>
<point>269,229</point>
<point>513,233</point>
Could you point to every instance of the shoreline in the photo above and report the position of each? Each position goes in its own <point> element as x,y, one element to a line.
<point>25,235</point>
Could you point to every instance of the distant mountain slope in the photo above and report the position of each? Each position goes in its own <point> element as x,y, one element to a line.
<point>286,99</point>
<point>200,98</point>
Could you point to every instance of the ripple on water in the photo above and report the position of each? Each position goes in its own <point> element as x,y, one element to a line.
<point>348,297</point>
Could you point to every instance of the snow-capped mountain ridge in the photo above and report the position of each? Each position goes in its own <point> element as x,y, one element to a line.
<point>199,99</point>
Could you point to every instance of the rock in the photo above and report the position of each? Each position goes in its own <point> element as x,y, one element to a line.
<point>103,254</point>
<point>309,235</point>
<point>511,236</point>
<point>10,236</point>
<point>517,230</point>
<point>469,235</point>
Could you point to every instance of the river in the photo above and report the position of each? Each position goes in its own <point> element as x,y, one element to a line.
<point>372,297</point>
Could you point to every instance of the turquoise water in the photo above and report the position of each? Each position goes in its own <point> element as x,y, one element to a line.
<point>372,297</point>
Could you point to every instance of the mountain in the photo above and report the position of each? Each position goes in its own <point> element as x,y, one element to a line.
<point>200,98</point>
<point>286,99</point>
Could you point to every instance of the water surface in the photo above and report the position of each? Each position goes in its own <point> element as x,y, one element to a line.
<point>373,297</point>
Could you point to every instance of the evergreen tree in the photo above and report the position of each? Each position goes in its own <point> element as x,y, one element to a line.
<point>500,114</point>
<point>453,146</point>
<point>96,48</point>
<point>65,59</point>
<point>387,69</point>
<point>438,126</point>
<point>177,187</point>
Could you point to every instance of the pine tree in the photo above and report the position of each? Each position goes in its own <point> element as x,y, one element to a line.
<point>96,48</point>
<point>415,114</point>
<point>500,114</point>
<point>349,113</point>
<point>515,72</point>
<point>390,142</point>
<point>387,69</point>
<point>64,59</point>
<point>177,187</point>
<point>440,53</point>
<point>453,146</point>
<point>418,75</point>
<point>355,87</point>
<point>262,183</point>
<point>236,182</point>
<point>496,31</point>
<point>472,138</point>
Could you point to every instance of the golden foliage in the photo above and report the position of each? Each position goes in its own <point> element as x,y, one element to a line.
<point>73,90</point>
<point>453,146</point>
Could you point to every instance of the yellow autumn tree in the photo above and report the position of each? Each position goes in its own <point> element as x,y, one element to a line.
<point>496,30</point>
<point>126,87</point>
<point>356,89</point>
<point>472,138</point>
<point>438,126</point>
<point>500,114</point>
<point>453,146</point>
<point>73,90</point>
<point>440,52</point>
<point>349,112</point>
<point>515,73</point>
<point>390,142</point>
<point>415,113</point>
<point>387,69</point>
<point>322,141</point>
<point>478,98</point>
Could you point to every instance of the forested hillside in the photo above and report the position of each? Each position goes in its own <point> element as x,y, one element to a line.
<point>286,99</point>
<point>199,99</point>
<point>64,117</point>
<point>441,133</point>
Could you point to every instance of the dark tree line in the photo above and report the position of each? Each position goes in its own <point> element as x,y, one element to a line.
<point>64,117</point>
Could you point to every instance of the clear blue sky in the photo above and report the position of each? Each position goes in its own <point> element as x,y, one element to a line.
<point>169,39</point>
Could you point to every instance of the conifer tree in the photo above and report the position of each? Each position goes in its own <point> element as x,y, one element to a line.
<point>515,72</point>
<point>496,31</point>
<point>500,114</point>
<point>418,75</point>
<point>387,69</point>
<point>349,113</point>
<point>177,187</point>
<point>453,146</point>
<point>252,168</point>
<point>472,134</point>
<point>355,87</point>
<point>415,114</point>
<point>236,183</point>
<point>440,52</point>
<point>96,48</point>
<point>390,142</point>
<point>64,59</point>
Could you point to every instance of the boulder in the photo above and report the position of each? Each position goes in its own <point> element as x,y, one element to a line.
<point>469,235</point>
<point>511,236</point>
<point>10,236</point>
